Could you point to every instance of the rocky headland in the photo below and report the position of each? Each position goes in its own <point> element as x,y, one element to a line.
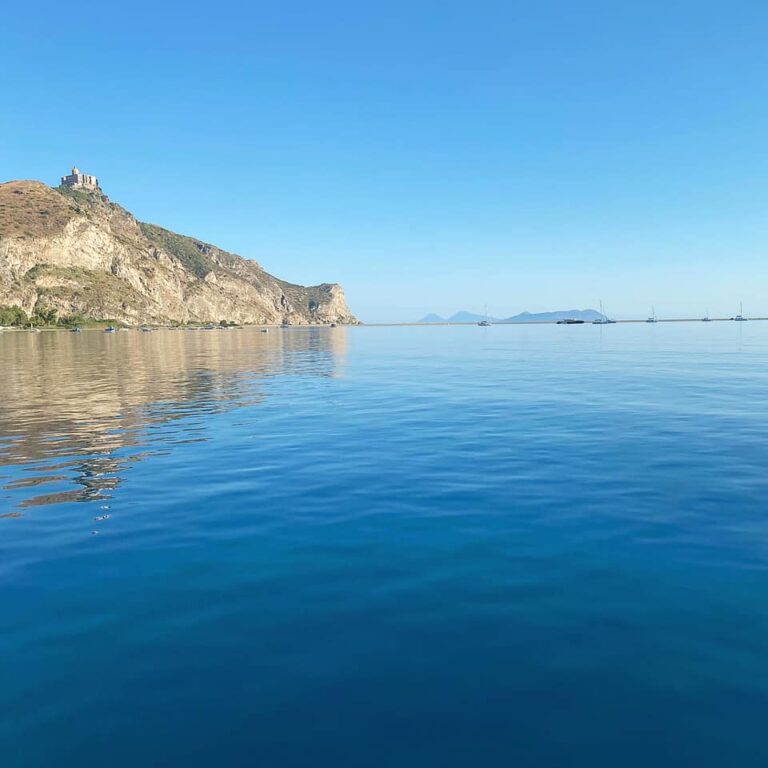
<point>71,252</point>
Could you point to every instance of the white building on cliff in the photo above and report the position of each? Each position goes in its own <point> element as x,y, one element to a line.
<point>78,179</point>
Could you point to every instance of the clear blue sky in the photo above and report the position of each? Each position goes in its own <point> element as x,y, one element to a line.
<point>430,156</point>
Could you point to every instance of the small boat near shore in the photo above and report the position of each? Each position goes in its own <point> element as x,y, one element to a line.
<point>485,322</point>
<point>570,321</point>
<point>603,319</point>
<point>110,329</point>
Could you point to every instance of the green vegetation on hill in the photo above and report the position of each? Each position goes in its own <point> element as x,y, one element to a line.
<point>188,251</point>
<point>13,316</point>
<point>83,196</point>
<point>76,274</point>
<point>48,318</point>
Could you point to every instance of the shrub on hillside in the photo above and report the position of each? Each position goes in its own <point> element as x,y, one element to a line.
<point>13,316</point>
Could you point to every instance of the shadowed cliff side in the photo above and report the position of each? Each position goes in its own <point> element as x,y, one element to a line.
<point>76,252</point>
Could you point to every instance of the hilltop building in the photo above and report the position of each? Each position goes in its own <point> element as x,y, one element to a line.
<point>78,179</point>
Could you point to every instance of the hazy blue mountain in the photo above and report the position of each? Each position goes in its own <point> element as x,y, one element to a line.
<point>549,317</point>
<point>524,317</point>
<point>467,317</point>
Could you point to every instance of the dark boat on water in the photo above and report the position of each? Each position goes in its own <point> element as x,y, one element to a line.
<point>570,321</point>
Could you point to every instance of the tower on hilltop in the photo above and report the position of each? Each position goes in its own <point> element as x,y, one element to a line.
<point>78,179</point>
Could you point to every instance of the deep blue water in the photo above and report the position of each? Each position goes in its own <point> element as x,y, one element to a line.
<point>530,546</point>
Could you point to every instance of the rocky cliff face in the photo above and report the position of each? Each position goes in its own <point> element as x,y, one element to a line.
<point>78,253</point>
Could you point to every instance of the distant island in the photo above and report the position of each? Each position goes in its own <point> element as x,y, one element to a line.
<point>524,317</point>
<point>69,254</point>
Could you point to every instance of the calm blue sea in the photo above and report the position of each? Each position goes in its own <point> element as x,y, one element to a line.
<point>448,546</point>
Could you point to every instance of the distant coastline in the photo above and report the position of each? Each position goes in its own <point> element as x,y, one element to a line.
<point>523,317</point>
<point>448,324</point>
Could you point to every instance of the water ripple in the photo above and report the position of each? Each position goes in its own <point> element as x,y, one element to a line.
<point>385,546</point>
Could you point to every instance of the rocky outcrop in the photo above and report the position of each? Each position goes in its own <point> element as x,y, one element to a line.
<point>76,252</point>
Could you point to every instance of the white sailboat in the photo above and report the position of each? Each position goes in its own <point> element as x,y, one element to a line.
<point>603,319</point>
<point>652,318</point>
<point>486,322</point>
<point>740,317</point>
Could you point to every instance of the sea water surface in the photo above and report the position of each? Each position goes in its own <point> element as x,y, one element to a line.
<point>448,546</point>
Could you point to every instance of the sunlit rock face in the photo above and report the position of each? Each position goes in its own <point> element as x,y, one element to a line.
<point>72,250</point>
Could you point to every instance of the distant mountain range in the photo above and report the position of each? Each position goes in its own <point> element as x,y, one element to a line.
<point>524,317</point>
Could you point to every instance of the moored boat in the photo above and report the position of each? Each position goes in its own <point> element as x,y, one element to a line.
<point>603,319</point>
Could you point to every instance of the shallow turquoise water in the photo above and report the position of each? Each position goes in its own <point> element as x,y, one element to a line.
<point>536,546</point>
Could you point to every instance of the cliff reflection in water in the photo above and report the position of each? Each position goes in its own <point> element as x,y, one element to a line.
<point>74,406</point>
